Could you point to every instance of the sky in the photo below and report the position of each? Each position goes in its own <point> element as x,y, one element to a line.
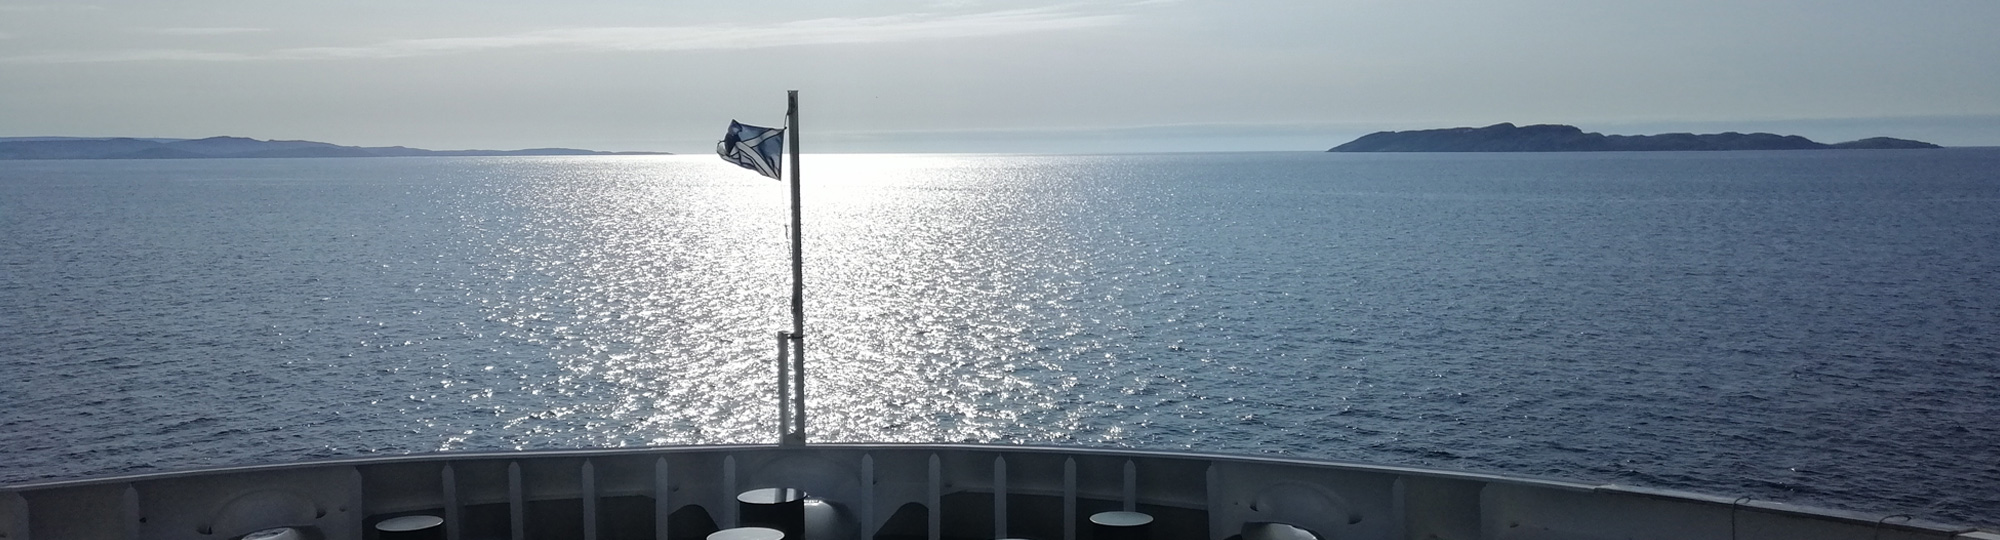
<point>1080,76</point>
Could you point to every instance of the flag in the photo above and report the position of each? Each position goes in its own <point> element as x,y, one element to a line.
<point>752,147</point>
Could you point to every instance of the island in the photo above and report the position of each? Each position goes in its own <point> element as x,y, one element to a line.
<point>237,147</point>
<point>1506,137</point>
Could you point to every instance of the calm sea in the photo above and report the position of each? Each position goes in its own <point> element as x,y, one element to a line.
<point>1819,327</point>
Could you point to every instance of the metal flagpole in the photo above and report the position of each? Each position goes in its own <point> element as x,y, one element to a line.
<point>797,437</point>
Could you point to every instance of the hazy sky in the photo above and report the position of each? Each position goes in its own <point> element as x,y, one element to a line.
<point>971,75</point>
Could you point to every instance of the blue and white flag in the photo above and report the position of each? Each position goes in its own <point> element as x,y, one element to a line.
<point>754,148</point>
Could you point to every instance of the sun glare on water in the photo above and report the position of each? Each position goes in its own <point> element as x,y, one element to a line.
<point>917,329</point>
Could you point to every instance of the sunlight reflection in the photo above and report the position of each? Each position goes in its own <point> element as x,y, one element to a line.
<point>623,272</point>
<point>913,314</point>
<point>621,268</point>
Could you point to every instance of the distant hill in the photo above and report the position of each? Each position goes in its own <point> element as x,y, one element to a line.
<point>237,147</point>
<point>1561,138</point>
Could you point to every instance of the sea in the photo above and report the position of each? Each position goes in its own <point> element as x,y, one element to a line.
<point>1812,327</point>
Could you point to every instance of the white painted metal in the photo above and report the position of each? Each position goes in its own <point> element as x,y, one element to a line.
<point>868,492</point>
<point>727,501</point>
<point>453,514</point>
<point>517,503</point>
<point>1131,498</point>
<point>354,507</point>
<point>131,517</point>
<point>1215,502</point>
<point>1213,496</point>
<point>589,501</point>
<point>1000,497</point>
<point>663,502</point>
<point>1069,498</point>
<point>934,500</point>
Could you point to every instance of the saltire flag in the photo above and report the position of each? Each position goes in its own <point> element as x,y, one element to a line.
<point>752,147</point>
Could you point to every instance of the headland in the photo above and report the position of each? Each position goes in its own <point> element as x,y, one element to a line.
<point>237,147</point>
<point>1506,137</point>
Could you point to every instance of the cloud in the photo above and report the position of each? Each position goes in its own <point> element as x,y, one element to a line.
<point>222,31</point>
<point>850,30</point>
<point>43,8</point>
<point>128,56</point>
<point>890,29</point>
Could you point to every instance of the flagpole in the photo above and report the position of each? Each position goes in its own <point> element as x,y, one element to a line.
<point>798,337</point>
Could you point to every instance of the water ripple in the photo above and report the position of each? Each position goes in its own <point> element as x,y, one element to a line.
<point>1790,327</point>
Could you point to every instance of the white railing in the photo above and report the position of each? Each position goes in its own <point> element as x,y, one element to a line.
<point>905,492</point>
